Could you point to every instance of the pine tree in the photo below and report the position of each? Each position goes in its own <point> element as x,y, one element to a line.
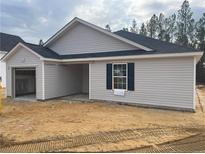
<point>200,39</point>
<point>125,29</point>
<point>143,30</point>
<point>170,28</point>
<point>152,26</point>
<point>185,24</point>
<point>161,27</point>
<point>200,32</point>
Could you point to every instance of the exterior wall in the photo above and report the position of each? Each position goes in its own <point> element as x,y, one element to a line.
<point>62,80</point>
<point>167,82</point>
<point>85,78</point>
<point>83,39</point>
<point>24,58</point>
<point>3,70</point>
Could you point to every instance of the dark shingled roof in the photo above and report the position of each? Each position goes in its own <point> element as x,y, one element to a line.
<point>48,53</point>
<point>159,46</point>
<point>106,54</point>
<point>8,41</point>
<point>43,51</point>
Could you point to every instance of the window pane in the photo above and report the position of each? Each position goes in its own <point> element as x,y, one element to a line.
<point>119,72</point>
<point>123,70</point>
<point>119,82</point>
<point>119,69</point>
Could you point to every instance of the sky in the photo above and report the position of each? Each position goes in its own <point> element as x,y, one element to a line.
<point>33,20</point>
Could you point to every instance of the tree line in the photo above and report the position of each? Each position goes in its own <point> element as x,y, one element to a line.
<point>180,28</point>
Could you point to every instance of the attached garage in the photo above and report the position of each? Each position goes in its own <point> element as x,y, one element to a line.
<point>24,82</point>
<point>24,71</point>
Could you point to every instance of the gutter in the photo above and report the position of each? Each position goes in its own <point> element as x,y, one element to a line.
<point>196,54</point>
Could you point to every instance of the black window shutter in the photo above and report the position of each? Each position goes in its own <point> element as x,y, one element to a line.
<point>109,76</point>
<point>131,76</point>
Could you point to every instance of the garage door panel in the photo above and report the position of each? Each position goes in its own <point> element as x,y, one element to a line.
<point>25,81</point>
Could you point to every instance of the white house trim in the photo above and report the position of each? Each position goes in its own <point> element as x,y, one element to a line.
<point>75,20</point>
<point>127,57</point>
<point>16,47</point>
<point>194,84</point>
<point>43,80</point>
<point>90,79</point>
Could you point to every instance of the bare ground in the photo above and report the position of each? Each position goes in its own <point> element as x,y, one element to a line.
<point>22,122</point>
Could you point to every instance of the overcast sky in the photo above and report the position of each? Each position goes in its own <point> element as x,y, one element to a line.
<point>40,19</point>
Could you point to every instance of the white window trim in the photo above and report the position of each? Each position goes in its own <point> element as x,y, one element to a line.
<point>119,76</point>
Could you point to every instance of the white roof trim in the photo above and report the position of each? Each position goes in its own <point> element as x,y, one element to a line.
<point>16,47</point>
<point>72,22</point>
<point>197,54</point>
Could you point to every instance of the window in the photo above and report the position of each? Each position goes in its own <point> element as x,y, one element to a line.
<point>119,76</point>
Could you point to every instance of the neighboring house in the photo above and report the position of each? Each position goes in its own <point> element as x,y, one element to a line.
<point>120,66</point>
<point>7,42</point>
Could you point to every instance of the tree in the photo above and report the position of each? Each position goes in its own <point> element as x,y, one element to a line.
<point>134,29</point>
<point>143,30</point>
<point>107,27</point>
<point>125,29</point>
<point>152,26</point>
<point>200,41</point>
<point>170,28</point>
<point>200,32</point>
<point>185,24</point>
<point>161,27</point>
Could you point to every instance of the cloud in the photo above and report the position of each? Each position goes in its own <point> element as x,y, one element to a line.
<point>39,19</point>
<point>43,20</point>
<point>34,19</point>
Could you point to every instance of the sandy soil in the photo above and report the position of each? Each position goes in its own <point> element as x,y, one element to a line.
<point>22,121</point>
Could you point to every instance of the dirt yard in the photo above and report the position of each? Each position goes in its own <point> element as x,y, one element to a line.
<point>27,121</point>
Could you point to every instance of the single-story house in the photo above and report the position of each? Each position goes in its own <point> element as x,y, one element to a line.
<point>7,42</point>
<point>113,66</point>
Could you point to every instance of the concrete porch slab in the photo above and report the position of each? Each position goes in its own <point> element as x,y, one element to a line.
<point>77,97</point>
<point>31,98</point>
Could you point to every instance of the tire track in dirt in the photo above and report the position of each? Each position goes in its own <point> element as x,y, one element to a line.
<point>61,143</point>
<point>194,143</point>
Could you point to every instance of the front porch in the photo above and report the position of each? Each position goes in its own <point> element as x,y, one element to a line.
<point>66,81</point>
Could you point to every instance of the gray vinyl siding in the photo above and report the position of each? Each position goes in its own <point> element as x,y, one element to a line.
<point>83,39</point>
<point>24,58</point>
<point>165,82</point>
<point>62,80</point>
<point>85,78</point>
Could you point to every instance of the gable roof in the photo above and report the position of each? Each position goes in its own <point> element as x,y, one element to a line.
<point>38,50</point>
<point>78,20</point>
<point>45,53</point>
<point>157,45</point>
<point>42,51</point>
<point>8,41</point>
<point>152,47</point>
